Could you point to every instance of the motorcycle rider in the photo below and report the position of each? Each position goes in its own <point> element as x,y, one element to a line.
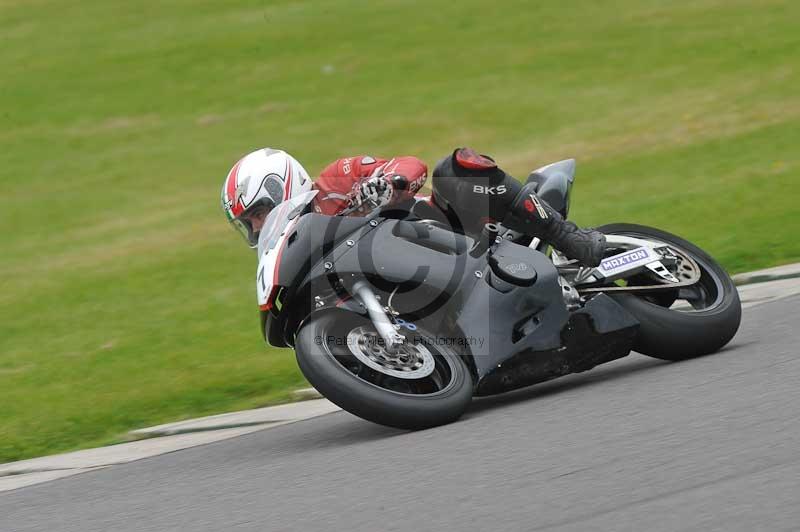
<point>469,188</point>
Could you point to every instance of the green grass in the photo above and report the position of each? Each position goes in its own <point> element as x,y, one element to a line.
<point>126,301</point>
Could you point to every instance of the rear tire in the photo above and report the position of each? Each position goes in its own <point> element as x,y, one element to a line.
<point>322,353</point>
<point>671,334</point>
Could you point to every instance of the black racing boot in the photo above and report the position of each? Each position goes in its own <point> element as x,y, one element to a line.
<point>532,216</point>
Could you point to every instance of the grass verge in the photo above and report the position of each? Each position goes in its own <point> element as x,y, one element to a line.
<point>127,302</point>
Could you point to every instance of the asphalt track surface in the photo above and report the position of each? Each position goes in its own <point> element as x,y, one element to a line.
<point>638,444</point>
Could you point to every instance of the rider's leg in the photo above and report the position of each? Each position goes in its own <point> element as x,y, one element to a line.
<point>468,186</point>
<point>471,191</point>
<point>531,215</point>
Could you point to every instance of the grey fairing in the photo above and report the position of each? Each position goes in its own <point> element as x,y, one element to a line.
<point>509,335</point>
<point>427,259</point>
<point>496,312</point>
<point>313,238</point>
<point>555,184</point>
<point>395,252</point>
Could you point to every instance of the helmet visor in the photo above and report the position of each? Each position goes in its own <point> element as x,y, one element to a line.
<point>244,229</point>
<point>250,222</point>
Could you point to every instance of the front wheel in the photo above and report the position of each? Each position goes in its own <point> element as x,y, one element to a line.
<point>687,322</point>
<point>418,385</point>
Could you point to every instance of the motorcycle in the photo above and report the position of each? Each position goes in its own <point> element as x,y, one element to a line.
<point>400,318</point>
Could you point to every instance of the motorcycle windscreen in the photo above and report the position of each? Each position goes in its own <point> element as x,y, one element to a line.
<point>277,228</point>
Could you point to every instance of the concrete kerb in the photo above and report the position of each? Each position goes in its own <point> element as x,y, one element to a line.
<point>160,439</point>
<point>787,271</point>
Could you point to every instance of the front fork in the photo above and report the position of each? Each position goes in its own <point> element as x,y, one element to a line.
<point>383,323</point>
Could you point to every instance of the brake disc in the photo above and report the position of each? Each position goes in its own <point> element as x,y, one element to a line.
<point>405,361</point>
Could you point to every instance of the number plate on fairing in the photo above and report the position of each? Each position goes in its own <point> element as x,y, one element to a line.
<point>626,261</point>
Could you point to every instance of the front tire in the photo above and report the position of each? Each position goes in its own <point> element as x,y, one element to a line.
<point>324,355</point>
<point>671,334</point>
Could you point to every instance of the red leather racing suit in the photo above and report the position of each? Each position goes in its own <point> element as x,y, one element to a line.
<point>338,180</point>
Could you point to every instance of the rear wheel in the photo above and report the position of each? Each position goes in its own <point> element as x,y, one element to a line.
<point>686,322</point>
<point>414,386</point>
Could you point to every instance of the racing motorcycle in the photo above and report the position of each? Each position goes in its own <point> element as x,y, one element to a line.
<point>401,319</point>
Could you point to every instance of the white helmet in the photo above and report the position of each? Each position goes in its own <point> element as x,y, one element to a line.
<point>257,183</point>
